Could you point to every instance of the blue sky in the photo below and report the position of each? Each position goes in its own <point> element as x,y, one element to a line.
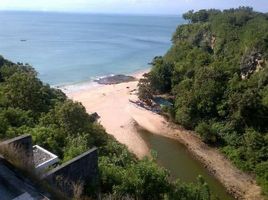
<point>128,6</point>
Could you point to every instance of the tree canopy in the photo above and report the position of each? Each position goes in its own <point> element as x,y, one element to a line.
<point>217,71</point>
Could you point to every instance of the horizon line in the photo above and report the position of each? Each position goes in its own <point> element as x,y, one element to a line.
<point>93,13</point>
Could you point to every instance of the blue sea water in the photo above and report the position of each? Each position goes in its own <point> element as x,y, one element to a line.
<point>69,48</point>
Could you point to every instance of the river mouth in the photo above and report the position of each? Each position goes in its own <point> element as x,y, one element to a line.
<point>175,157</point>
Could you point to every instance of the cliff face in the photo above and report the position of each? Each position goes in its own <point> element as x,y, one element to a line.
<point>227,41</point>
<point>252,62</point>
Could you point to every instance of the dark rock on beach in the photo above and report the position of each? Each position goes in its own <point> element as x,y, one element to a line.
<point>115,79</point>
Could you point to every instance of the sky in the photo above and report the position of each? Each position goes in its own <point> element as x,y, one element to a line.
<point>166,7</point>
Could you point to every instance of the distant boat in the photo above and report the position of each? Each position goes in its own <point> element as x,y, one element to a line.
<point>23,40</point>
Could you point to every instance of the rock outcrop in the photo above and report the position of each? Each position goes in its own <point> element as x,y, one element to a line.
<point>251,62</point>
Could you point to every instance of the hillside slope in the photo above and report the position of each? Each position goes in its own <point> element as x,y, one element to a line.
<point>216,74</point>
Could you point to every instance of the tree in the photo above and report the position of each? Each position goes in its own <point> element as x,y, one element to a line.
<point>262,175</point>
<point>207,134</point>
<point>144,90</point>
<point>160,76</point>
<point>188,15</point>
<point>180,190</point>
<point>25,91</point>
<point>51,138</point>
<point>76,146</point>
<point>70,116</point>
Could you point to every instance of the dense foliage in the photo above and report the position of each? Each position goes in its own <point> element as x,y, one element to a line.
<point>62,126</point>
<point>217,72</point>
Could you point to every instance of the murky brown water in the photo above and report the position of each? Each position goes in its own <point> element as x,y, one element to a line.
<point>177,159</point>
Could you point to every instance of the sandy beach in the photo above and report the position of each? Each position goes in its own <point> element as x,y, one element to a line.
<point>112,104</point>
<point>118,115</point>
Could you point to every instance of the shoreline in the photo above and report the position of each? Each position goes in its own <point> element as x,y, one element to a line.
<point>92,83</point>
<point>119,115</point>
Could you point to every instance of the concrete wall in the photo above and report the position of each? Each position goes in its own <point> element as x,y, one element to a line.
<point>83,168</point>
<point>23,144</point>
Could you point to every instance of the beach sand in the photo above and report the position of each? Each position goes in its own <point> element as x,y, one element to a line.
<point>112,104</point>
<point>118,115</point>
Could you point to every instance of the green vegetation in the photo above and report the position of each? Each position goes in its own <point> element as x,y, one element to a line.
<point>62,126</point>
<point>217,72</point>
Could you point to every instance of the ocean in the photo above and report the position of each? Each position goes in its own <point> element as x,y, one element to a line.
<point>68,48</point>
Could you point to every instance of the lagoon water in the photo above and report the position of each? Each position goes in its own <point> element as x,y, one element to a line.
<point>175,157</point>
<point>70,48</point>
